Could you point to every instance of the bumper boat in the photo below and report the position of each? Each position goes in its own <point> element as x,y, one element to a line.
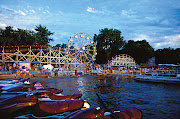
<point>47,106</point>
<point>93,113</point>
<point>12,101</point>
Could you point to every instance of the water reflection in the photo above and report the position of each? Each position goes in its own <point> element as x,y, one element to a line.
<point>157,101</point>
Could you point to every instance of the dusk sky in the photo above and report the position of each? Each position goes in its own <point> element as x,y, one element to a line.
<point>157,21</point>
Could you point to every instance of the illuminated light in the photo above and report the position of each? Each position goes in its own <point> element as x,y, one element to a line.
<point>81,36</point>
<point>92,42</point>
<point>86,105</point>
<point>75,36</point>
<point>71,40</point>
<point>30,104</point>
<point>87,38</point>
<point>116,111</point>
<point>98,108</point>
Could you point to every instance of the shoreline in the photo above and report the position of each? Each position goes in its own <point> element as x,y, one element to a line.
<point>38,74</point>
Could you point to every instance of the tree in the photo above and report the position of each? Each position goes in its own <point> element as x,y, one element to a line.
<point>167,56</point>
<point>43,35</point>
<point>109,43</point>
<point>24,37</point>
<point>6,36</point>
<point>64,46</point>
<point>57,45</point>
<point>141,51</point>
<point>10,37</point>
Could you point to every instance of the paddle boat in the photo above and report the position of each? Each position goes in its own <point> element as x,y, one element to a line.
<point>18,96</point>
<point>46,106</point>
<point>15,88</point>
<point>30,87</point>
<point>92,113</point>
<point>12,101</point>
<point>65,97</point>
<point>10,82</point>
<point>14,81</point>
<point>53,93</point>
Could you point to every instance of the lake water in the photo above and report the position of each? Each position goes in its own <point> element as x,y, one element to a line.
<point>156,101</point>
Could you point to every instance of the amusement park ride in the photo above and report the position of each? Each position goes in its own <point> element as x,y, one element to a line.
<point>80,52</point>
<point>122,60</point>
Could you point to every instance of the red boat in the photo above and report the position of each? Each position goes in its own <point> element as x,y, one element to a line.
<point>65,97</point>
<point>46,93</point>
<point>12,101</point>
<point>132,113</point>
<point>92,113</point>
<point>50,91</point>
<point>48,107</point>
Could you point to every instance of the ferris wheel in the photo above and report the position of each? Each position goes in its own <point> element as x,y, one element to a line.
<point>82,47</point>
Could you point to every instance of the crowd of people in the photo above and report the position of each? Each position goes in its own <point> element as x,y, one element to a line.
<point>25,70</point>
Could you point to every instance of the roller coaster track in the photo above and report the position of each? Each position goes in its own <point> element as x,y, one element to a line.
<point>42,54</point>
<point>122,60</point>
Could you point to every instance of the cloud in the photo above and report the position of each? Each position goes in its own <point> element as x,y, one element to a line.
<point>20,12</point>
<point>18,20</point>
<point>173,40</point>
<point>6,8</point>
<point>92,10</point>
<point>40,8</point>
<point>26,10</point>
<point>61,37</point>
<point>32,11</point>
<point>128,13</point>
<point>2,16</point>
<point>47,11</point>
<point>160,42</point>
<point>141,37</point>
<point>2,25</point>
<point>103,11</point>
<point>44,10</point>
<point>13,11</point>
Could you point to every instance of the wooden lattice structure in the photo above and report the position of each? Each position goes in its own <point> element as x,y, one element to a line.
<point>122,60</point>
<point>42,54</point>
<point>151,62</point>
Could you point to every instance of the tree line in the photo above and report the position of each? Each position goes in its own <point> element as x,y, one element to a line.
<point>109,43</point>
<point>39,36</point>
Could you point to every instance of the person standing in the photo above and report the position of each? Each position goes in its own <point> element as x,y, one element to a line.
<point>46,72</point>
<point>14,67</point>
<point>76,73</point>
